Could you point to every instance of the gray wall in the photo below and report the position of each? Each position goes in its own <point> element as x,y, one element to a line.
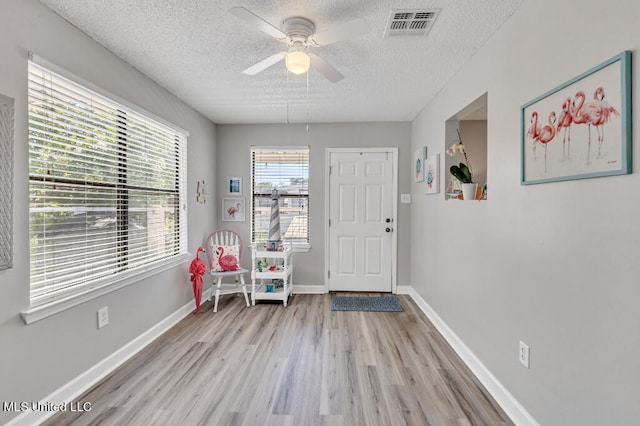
<point>39,358</point>
<point>234,143</point>
<point>555,265</point>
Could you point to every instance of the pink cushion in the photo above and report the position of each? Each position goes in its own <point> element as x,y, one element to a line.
<point>225,258</point>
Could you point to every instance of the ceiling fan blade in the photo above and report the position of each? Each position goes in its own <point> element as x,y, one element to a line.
<point>265,63</point>
<point>323,67</point>
<point>351,29</point>
<point>257,22</point>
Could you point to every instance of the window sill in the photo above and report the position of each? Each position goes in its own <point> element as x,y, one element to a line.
<point>48,309</point>
<point>297,247</point>
<point>301,247</point>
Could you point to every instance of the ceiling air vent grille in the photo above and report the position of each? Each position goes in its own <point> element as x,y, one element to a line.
<point>411,22</point>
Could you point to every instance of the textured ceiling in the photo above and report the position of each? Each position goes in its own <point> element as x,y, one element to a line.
<point>197,50</point>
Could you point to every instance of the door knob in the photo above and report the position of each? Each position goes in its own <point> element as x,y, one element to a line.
<point>389,229</point>
<point>389,220</point>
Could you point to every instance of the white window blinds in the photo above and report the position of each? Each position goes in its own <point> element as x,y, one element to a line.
<point>287,170</point>
<point>106,187</point>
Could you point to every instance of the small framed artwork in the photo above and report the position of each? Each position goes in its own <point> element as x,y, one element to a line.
<point>432,174</point>
<point>580,129</point>
<point>234,185</point>
<point>418,163</point>
<point>233,210</point>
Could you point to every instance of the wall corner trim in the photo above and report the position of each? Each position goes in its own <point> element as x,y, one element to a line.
<point>503,397</point>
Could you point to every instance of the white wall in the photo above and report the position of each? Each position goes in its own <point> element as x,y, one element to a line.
<point>558,267</point>
<point>39,358</point>
<point>234,143</point>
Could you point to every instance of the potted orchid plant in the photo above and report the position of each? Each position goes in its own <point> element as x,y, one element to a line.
<point>463,171</point>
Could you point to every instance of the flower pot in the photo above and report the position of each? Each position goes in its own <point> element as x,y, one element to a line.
<point>469,191</point>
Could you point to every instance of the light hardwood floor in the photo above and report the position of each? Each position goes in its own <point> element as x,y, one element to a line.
<point>300,365</point>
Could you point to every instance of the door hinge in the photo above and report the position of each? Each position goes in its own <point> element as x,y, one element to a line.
<point>330,169</point>
<point>328,274</point>
<point>329,222</point>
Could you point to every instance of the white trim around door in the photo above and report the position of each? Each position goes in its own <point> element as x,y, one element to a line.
<point>394,196</point>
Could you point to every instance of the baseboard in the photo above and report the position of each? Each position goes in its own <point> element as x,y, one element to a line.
<point>76,387</point>
<point>404,289</point>
<point>309,289</point>
<point>518,414</point>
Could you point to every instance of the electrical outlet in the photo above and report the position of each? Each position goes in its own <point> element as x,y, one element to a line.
<point>523,354</point>
<point>103,317</point>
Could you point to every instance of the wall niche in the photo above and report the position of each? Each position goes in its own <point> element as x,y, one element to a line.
<point>471,122</point>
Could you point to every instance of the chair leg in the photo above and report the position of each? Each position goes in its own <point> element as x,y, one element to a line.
<point>218,287</point>
<point>244,290</point>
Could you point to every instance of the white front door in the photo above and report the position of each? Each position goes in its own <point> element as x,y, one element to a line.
<point>360,221</point>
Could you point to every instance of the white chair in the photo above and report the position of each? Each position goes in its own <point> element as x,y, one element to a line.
<point>222,265</point>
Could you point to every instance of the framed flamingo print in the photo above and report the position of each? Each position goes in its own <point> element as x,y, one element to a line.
<point>582,128</point>
<point>233,209</point>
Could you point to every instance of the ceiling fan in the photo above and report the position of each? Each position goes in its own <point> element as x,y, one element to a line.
<point>299,34</point>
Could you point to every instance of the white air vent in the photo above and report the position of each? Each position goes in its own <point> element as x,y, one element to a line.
<point>407,22</point>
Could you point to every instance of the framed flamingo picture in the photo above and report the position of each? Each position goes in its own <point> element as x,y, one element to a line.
<point>580,129</point>
<point>233,210</point>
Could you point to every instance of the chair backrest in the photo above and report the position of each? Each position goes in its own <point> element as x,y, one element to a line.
<point>223,237</point>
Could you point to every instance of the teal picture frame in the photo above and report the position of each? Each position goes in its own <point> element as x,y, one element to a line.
<point>580,129</point>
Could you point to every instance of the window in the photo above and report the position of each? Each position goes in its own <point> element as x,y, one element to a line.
<point>106,186</point>
<point>287,170</point>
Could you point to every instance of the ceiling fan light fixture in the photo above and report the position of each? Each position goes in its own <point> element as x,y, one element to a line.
<point>297,62</point>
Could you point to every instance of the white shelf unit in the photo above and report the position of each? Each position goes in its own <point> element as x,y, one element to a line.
<point>283,260</point>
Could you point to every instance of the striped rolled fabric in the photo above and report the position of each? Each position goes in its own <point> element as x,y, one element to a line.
<point>274,225</point>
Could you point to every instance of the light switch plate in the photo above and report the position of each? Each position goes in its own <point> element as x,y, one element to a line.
<point>405,198</point>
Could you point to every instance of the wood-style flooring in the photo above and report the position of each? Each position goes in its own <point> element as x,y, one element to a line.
<point>299,365</point>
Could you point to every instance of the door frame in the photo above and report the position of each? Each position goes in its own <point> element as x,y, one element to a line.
<point>394,201</point>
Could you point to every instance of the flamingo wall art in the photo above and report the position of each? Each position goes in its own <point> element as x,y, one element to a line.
<point>233,210</point>
<point>580,129</point>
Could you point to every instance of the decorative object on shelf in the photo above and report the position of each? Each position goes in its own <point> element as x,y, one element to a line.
<point>454,187</point>
<point>469,191</point>
<point>234,185</point>
<point>197,270</point>
<point>432,174</point>
<point>201,192</point>
<point>581,134</point>
<point>274,224</point>
<point>463,172</point>
<point>233,210</point>
<point>6,181</point>
<point>272,245</point>
<point>418,163</point>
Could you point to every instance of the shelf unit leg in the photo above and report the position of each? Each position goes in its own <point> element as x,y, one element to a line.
<point>253,292</point>
<point>244,290</point>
